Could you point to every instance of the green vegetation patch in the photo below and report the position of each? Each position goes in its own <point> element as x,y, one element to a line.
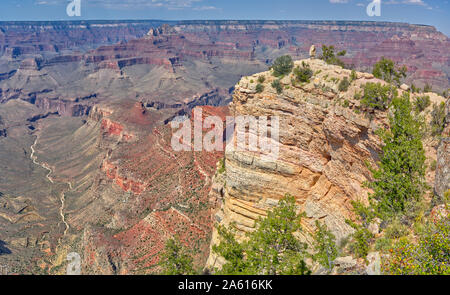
<point>377,96</point>
<point>283,65</point>
<point>277,86</point>
<point>303,73</point>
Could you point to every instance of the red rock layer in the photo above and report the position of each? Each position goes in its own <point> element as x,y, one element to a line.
<point>169,197</point>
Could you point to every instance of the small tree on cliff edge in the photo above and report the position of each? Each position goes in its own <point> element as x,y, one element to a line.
<point>283,65</point>
<point>385,69</point>
<point>175,260</point>
<point>330,57</point>
<point>324,246</point>
<point>271,249</point>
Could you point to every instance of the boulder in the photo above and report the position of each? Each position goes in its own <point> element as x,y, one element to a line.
<point>374,227</point>
<point>404,87</point>
<point>346,262</point>
<point>286,80</point>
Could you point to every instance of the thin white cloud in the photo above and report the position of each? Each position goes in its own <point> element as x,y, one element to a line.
<point>412,2</point>
<point>417,2</point>
<point>338,1</point>
<point>205,8</point>
<point>118,4</point>
<point>409,2</point>
<point>49,2</point>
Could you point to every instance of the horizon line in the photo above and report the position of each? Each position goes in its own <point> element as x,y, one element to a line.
<point>218,20</point>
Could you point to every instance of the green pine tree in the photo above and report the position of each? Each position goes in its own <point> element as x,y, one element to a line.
<point>282,65</point>
<point>385,69</point>
<point>324,246</point>
<point>330,57</point>
<point>175,260</point>
<point>272,249</point>
<point>400,176</point>
<point>232,251</point>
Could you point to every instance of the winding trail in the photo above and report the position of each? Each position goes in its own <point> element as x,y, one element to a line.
<point>43,165</point>
<point>50,171</point>
<point>200,169</point>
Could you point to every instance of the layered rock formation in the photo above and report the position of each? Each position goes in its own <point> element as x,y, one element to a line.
<point>325,143</point>
<point>21,37</point>
<point>416,46</point>
<point>442,184</point>
<point>156,193</point>
<point>94,119</point>
<point>125,190</point>
<point>165,60</point>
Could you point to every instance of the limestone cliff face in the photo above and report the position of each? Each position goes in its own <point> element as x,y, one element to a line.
<point>324,145</point>
<point>442,183</point>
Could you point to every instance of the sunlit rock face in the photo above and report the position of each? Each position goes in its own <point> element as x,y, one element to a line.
<point>443,158</point>
<point>325,144</point>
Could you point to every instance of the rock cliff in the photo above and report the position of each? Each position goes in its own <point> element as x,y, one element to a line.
<point>325,142</point>
<point>442,184</point>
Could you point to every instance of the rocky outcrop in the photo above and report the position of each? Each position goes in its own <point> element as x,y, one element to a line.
<point>443,168</point>
<point>98,112</point>
<point>442,183</point>
<point>6,75</point>
<point>31,64</point>
<point>163,30</point>
<point>322,150</point>
<point>128,185</point>
<point>115,128</point>
<point>325,143</point>
<point>374,266</point>
<point>62,107</point>
<point>416,46</point>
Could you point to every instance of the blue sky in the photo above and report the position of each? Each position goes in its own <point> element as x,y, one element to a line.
<point>430,12</point>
